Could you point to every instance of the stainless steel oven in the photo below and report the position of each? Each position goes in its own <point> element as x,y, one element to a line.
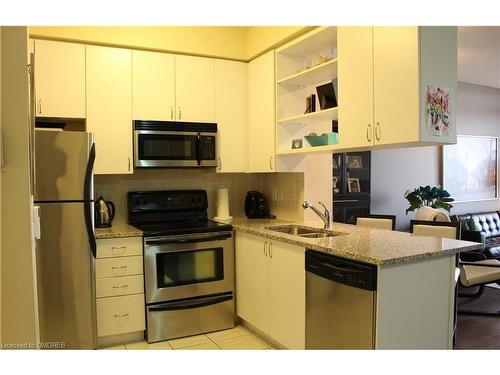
<point>174,144</point>
<point>188,265</point>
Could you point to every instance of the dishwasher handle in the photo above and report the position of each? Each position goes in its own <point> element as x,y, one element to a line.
<point>343,271</point>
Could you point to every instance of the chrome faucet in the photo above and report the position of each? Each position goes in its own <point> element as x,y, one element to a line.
<point>325,216</point>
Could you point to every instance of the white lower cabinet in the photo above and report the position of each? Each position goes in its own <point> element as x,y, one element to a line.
<point>118,315</point>
<point>123,266</point>
<point>119,273</point>
<point>270,288</point>
<point>117,286</point>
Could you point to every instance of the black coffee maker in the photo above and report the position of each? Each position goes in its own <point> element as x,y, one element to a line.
<point>256,206</point>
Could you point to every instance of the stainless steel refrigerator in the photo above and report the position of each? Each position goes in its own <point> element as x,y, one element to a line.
<point>66,249</point>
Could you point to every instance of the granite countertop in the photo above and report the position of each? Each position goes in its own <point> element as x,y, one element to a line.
<point>117,231</point>
<point>374,246</point>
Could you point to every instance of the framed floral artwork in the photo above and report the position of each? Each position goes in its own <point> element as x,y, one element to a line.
<point>438,111</point>
<point>470,168</point>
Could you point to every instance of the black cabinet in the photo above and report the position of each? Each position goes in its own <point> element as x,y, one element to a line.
<point>351,186</point>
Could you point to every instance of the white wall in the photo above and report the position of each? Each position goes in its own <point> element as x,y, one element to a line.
<point>17,304</point>
<point>395,171</point>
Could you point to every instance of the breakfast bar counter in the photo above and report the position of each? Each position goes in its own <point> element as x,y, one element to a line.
<point>374,246</point>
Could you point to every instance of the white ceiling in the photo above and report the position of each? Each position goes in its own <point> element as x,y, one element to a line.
<point>479,55</point>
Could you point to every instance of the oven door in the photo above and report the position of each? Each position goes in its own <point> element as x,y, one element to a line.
<point>189,265</point>
<point>166,149</point>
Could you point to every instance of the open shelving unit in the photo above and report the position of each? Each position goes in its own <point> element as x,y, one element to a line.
<point>301,66</point>
<point>318,73</point>
<point>329,114</point>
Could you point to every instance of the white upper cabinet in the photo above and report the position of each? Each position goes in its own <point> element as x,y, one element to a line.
<point>194,89</point>
<point>153,84</point>
<point>261,115</point>
<point>384,74</point>
<point>355,68</point>
<point>59,79</point>
<point>395,83</point>
<point>109,107</point>
<point>231,111</point>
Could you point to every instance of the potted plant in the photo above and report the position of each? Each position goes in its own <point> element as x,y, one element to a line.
<point>435,197</point>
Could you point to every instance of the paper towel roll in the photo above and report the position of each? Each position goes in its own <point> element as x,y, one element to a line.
<point>223,204</point>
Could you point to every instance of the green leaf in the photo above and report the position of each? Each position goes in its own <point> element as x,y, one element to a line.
<point>447,199</point>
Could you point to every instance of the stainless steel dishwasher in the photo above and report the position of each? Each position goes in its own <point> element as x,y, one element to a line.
<point>340,302</point>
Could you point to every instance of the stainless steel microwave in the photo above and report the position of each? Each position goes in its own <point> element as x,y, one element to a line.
<point>160,144</point>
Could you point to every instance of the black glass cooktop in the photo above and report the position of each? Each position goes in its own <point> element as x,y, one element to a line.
<point>170,212</point>
<point>182,227</point>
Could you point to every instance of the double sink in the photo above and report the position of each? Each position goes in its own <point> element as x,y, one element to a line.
<point>306,232</point>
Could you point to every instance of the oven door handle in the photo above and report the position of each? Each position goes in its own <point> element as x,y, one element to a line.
<point>187,239</point>
<point>191,304</point>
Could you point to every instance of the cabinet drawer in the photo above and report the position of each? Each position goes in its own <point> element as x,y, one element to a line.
<point>117,315</point>
<point>125,266</point>
<point>119,247</point>
<point>119,286</point>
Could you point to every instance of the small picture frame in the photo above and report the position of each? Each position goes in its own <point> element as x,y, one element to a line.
<point>327,95</point>
<point>354,162</point>
<point>297,143</point>
<point>353,185</point>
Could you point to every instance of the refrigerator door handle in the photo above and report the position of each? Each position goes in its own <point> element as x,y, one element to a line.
<point>88,201</point>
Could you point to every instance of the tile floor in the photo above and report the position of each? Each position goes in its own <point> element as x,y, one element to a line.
<point>238,338</point>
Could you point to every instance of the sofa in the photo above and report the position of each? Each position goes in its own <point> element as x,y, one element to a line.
<point>482,227</point>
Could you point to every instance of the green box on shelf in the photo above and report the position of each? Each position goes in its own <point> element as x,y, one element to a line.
<point>322,140</point>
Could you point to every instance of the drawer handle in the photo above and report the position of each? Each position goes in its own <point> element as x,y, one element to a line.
<point>118,267</point>
<point>121,315</point>
<point>120,286</point>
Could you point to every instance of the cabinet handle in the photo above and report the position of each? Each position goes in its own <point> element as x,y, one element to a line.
<point>369,133</point>
<point>180,113</point>
<point>129,164</point>
<point>120,286</point>
<point>265,252</point>
<point>121,315</point>
<point>271,163</point>
<point>270,249</point>
<point>377,131</point>
<point>220,164</point>
<point>39,106</point>
<point>171,113</point>
<point>118,267</point>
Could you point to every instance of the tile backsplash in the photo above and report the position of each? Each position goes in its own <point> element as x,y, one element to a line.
<point>284,191</point>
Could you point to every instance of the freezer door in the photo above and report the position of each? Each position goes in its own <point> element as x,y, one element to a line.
<point>65,267</point>
<point>61,160</point>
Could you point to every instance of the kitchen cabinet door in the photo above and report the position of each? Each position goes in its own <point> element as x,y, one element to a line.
<point>355,71</point>
<point>109,107</point>
<point>59,79</point>
<point>194,89</point>
<point>252,280</point>
<point>287,294</point>
<point>396,84</point>
<point>231,111</point>
<point>261,114</point>
<point>153,84</point>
